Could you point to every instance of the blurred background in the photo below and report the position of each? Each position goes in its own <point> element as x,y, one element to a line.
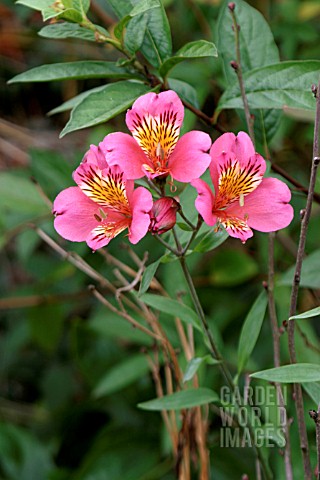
<point>71,372</point>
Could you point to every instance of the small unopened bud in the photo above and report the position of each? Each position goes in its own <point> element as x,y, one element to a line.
<point>265,285</point>
<point>314,89</point>
<point>285,323</point>
<point>316,161</point>
<point>234,65</point>
<point>302,213</point>
<point>245,477</point>
<point>163,215</point>
<point>231,6</point>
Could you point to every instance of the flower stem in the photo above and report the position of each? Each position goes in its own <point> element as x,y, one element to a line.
<point>276,354</point>
<point>295,289</point>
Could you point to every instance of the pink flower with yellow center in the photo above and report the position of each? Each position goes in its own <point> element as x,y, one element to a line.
<point>242,198</point>
<point>103,204</point>
<point>155,149</point>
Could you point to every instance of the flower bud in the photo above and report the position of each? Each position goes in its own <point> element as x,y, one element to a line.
<point>163,215</point>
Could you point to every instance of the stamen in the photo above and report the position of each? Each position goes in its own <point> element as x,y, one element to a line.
<point>241,200</point>
<point>97,217</point>
<point>102,213</point>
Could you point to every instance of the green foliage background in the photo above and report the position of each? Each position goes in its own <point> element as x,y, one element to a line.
<point>71,372</point>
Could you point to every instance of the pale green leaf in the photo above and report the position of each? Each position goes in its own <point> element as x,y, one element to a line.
<point>194,364</point>
<point>295,373</point>
<point>70,30</point>
<point>315,312</point>
<point>180,400</point>
<point>148,275</point>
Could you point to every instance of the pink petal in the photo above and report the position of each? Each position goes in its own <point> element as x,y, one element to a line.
<point>204,201</point>
<point>96,157</point>
<point>190,158</point>
<point>236,227</point>
<point>266,208</point>
<point>121,149</point>
<point>75,214</point>
<point>153,105</point>
<point>141,204</point>
<point>241,145</point>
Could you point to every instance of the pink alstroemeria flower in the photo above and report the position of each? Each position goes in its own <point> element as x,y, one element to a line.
<point>242,198</point>
<point>102,205</point>
<point>155,149</point>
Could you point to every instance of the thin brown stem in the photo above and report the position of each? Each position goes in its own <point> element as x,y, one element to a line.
<point>238,69</point>
<point>276,355</point>
<point>295,290</point>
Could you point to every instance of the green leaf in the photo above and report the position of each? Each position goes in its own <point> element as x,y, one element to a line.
<point>251,329</point>
<point>148,275</point>
<point>192,50</point>
<point>18,194</point>
<point>194,364</point>
<point>135,32</point>
<point>211,240</point>
<point>296,373</point>
<point>310,313</point>
<point>257,45</point>
<point>313,390</point>
<point>232,267</point>
<point>73,102</point>
<point>122,375</point>
<point>72,70</point>
<point>157,44</point>
<point>254,31</point>
<point>310,277</point>
<point>185,91</point>
<point>36,4</point>
<point>172,307</point>
<point>99,107</point>
<point>70,30</point>
<point>285,84</point>
<point>180,400</point>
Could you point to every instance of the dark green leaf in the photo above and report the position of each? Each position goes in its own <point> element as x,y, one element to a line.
<point>122,375</point>
<point>73,70</point>
<point>296,373</point>
<point>147,276</point>
<point>135,32</point>
<point>211,240</point>
<point>232,267</point>
<point>254,31</point>
<point>99,107</point>
<point>73,102</point>
<point>192,50</point>
<point>185,91</point>
<point>257,45</point>
<point>310,277</point>
<point>172,307</point>
<point>180,400</point>
<point>276,86</point>
<point>251,329</point>
<point>157,44</point>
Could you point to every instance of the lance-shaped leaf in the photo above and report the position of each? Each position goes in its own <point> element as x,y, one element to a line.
<point>276,86</point>
<point>192,50</point>
<point>172,307</point>
<point>315,312</point>
<point>180,400</point>
<point>295,373</point>
<point>251,329</point>
<point>310,277</point>
<point>194,364</point>
<point>70,30</point>
<point>73,70</point>
<point>99,107</point>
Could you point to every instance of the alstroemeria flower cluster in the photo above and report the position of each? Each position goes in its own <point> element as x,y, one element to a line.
<point>242,199</point>
<point>105,203</point>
